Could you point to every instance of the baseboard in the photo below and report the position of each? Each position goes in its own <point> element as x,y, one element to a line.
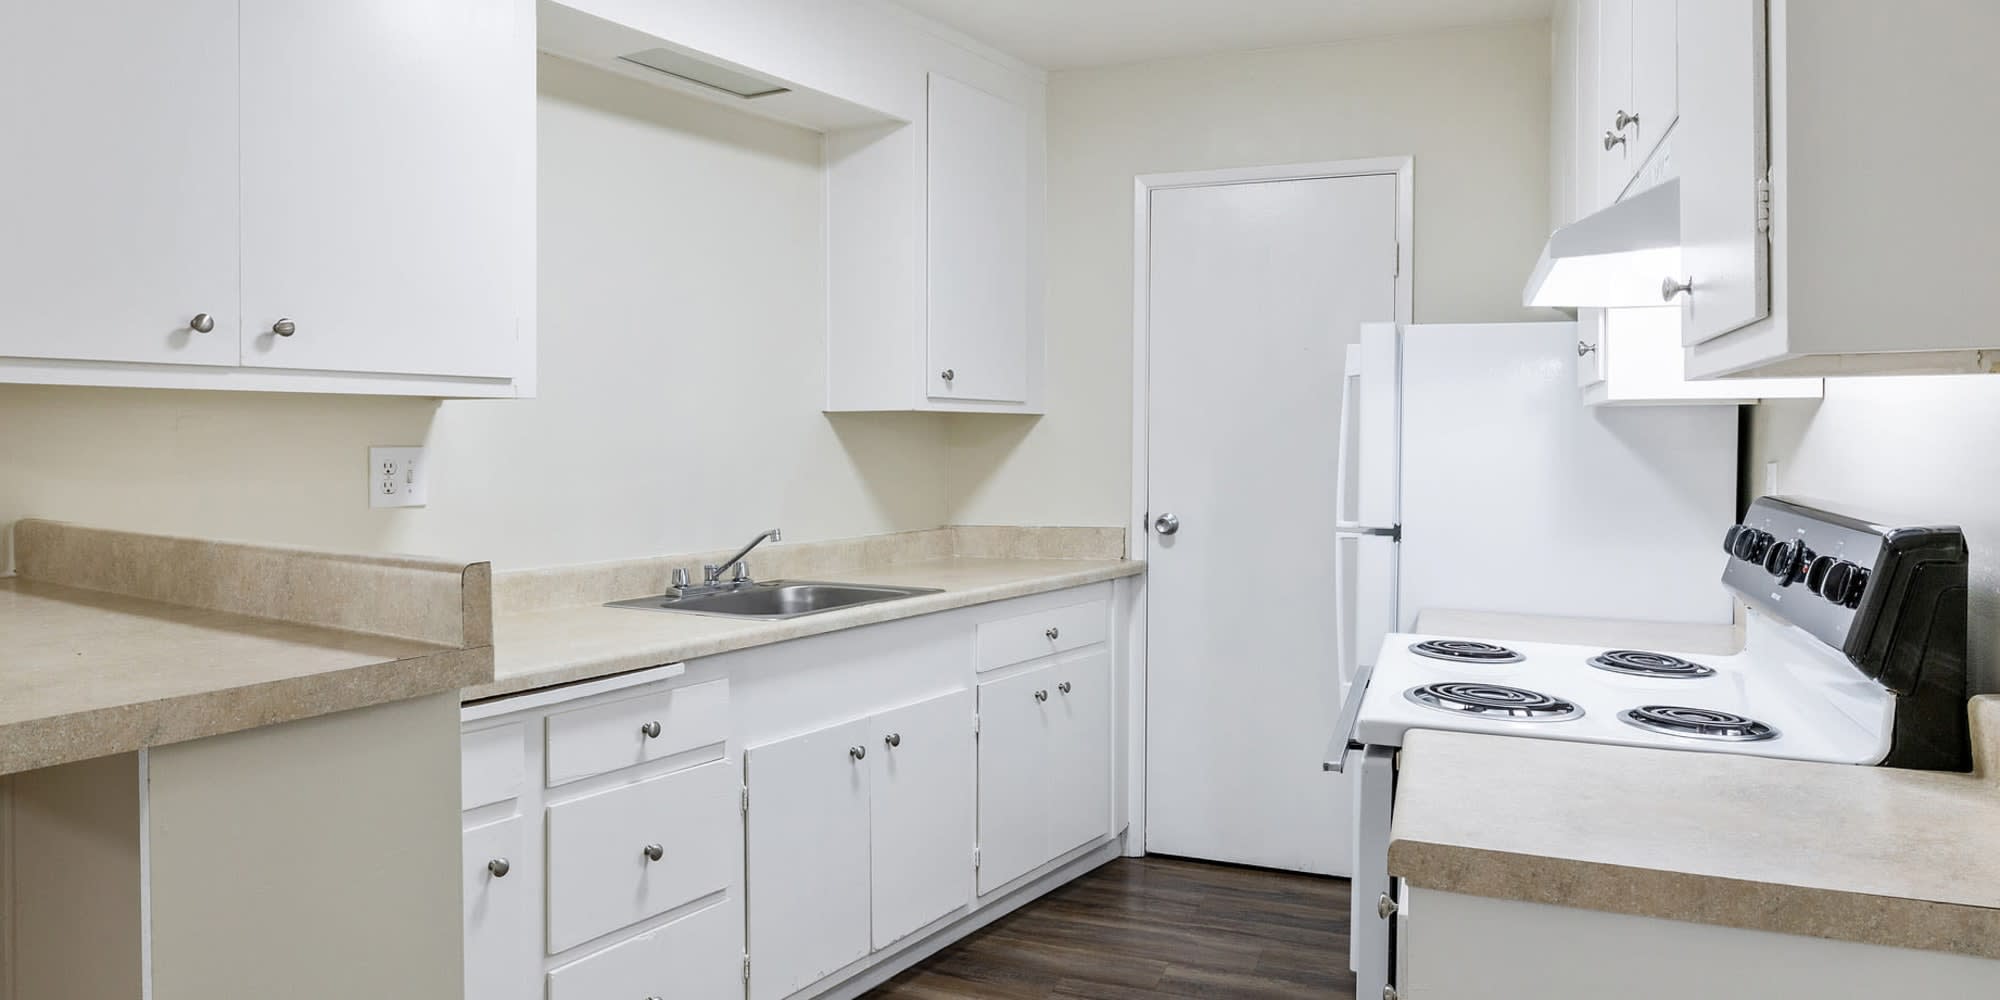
<point>881,968</point>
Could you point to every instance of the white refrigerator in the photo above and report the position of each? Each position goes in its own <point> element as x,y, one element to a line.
<point>1472,477</point>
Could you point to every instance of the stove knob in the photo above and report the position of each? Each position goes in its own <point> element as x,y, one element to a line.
<point>1729,538</point>
<point>1745,546</point>
<point>1787,561</point>
<point>1844,583</point>
<point>1816,573</point>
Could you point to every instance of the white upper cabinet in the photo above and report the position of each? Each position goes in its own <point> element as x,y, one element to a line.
<point>1868,246</point>
<point>1655,72</point>
<point>290,195</point>
<point>380,161</point>
<point>977,245</point>
<point>1618,150</point>
<point>118,226</point>
<point>1616,95</point>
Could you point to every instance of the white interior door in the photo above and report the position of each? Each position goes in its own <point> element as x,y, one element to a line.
<point>1255,292</point>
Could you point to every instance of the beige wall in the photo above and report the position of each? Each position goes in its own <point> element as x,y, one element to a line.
<point>1471,106</point>
<point>682,372</point>
<point>1918,449</point>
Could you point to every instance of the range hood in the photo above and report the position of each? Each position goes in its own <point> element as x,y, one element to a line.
<point>1614,257</point>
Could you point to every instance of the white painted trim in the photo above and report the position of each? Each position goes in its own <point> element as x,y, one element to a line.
<point>511,703</point>
<point>36,371</point>
<point>1138,531</point>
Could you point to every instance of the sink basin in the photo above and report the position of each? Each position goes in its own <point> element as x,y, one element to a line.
<point>776,599</point>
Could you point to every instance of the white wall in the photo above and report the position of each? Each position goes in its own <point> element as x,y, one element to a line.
<point>1916,449</point>
<point>682,324</point>
<point>1471,106</point>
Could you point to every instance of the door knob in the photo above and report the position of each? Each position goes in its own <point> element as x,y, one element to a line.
<point>1042,695</point>
<point>284,328</point>
<point>201,323</point>
<point>1624,121</point>
<point>1583,348</point>
<point>655,852</point>
<point>499,867</point>
<point>893,739</point>
<point>948,374</point>
<point>1063,687</point>
<point>857,752</point>
<point>1167,524</point>
<point>1613,140</point>
<point>1670,287</point>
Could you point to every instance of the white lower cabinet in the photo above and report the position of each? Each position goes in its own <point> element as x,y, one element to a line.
<point>627,853</point>
<point>1044,765</point>
<point>682,960</point>
<point>787,821</point>
<point>500,908</point>
<point>858,834</point>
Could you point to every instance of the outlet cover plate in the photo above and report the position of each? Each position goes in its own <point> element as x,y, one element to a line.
<point>398,477</point>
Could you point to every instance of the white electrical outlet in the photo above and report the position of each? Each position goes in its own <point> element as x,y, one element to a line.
<point>1770,479</point>
<point>398,477</point>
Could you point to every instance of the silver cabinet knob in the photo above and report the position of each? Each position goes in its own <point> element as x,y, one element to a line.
<point>1670,287</point>
<point>654,852</point>
<point>1063,687</point>
<point>857,752</point>
<point>1613,140</point>
<point>1167,524</point>
<point>1042,695</point>
<point>1385,907</point>
<point>948,374</point>
<point>284,328</point>
<point>498,867</point>
<point>1583,348</point>
<point>1389,993</point>
<point>651,729</point>
<point>893,739</point>
<point>1053,634</point>
<point>1624,121</point>
<point>201,323</point>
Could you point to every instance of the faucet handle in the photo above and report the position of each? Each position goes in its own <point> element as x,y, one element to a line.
<point>710,573</point>
<point>680,578</point>
<point>742,571</point>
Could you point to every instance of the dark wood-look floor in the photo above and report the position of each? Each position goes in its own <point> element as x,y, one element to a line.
<point>1153,927</point>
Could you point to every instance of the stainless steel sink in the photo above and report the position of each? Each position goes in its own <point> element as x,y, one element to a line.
<point>775,599</point>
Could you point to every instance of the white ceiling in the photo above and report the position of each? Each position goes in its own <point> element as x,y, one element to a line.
<point>1068,34</point>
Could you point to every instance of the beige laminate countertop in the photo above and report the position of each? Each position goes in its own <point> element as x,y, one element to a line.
<point>86,673</point>
<point>1907,859</point>
<point>542,648</point>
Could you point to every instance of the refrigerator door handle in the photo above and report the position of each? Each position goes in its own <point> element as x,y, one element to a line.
<point>1350,391</point>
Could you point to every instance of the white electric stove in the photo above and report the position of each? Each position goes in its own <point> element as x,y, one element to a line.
<point>1854,654</point>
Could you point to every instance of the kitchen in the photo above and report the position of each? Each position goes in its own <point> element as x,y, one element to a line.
<point>632,321</point>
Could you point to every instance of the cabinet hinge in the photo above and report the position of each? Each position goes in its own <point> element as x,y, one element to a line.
<point>975,859</point>
<point>1399,260</point>
<point>1764,204</point>
<point>745,806</point>
<point>975,725</point>
<point>746,966</point>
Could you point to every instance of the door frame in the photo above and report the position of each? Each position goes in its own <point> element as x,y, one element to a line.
<point>1138,531</point>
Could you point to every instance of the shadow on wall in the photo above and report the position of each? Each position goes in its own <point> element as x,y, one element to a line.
<point>256,466</point>
<point>981,447</point>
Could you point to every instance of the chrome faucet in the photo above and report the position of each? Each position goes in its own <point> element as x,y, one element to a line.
<point>711,574</point>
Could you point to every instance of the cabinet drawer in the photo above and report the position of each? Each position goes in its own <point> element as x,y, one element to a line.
<point>600,876</point>
<point>698,957</point>
<point>1016,640</point>
<point>494,761</point>
<point>587,741</point>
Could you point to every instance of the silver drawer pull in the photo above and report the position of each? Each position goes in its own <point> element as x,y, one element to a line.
<point>498,867</point>
<point>893,739</point>
<point>1053,634</point>
<point>1063,687</point>
<point>654,852</point>
<point>651,729</point>
<point>857,752</point>
<point>1042,695</point>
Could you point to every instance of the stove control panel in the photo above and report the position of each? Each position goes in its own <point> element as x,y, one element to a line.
<point>1804,565</point>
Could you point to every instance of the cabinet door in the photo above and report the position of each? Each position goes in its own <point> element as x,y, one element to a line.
<point>1014,723</point>
<point>921,801</point>
<point>1655,73</point>
<point>1079,776</point>
<point>808,856</point>
<point>1587,131</point>
<point>978,245</point>
<point>1721,149</point>
<point>383,144</point>
<point>1615,165</point>
<point>119,207</point>
<point>500,910</point>
<point>1590,347</point>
